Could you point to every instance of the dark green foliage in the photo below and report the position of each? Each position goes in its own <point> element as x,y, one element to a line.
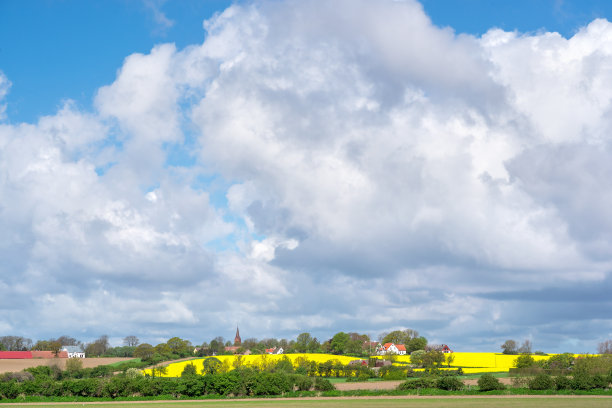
<point>189,370</point>
<point>524,361</point>
<point>582,381</point>
<point>393,373</point>
<point>211,365</point>
<point>541,382</point>
<point>303,383</point>
<point>271,384</point>
<point>449,383</point>
<point>423,382</point>
<point>600,381</point>
<point>563,383</point>
<point>487,382</point>
<point>9,389</point>
<point>323,384</point>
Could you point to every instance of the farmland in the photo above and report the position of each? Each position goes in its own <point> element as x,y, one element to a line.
<point>469,362</point>
<point>11,365</point>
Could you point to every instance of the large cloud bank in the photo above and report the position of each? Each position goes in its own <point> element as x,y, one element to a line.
<point>322,166</point>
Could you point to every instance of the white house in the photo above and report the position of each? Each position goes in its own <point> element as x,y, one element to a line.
<point>391,348</point>
<point>74,351</point>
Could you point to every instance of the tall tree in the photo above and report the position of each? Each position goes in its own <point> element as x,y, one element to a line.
<point>302,342</point>
<point>339,343</point>
<point>605,347</point>
<point>131,341</point>
<point>68,341</point>
<point>144,351</point>
<point>509,347</point>
<point>15,343</point>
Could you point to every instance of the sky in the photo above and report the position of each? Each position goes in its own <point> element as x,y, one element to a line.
<point>177,168</point>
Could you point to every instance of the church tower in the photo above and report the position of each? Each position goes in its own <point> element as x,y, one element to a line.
<point>237,339</point>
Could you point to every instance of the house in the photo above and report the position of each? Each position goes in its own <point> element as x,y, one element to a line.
<point>439,347</point>
<point>232,349</point>
<point>275,350</point>
<point>391,348</point>
<point>74,351</point>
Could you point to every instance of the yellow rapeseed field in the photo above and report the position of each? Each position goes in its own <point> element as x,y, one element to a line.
<point>258,360</point>
<point>469,362</point>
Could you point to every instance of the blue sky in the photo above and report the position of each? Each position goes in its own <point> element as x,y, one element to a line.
<point>48,63</point>
<point>180,167</point>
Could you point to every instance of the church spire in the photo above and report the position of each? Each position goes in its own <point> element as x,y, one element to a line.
<point>237,339</point>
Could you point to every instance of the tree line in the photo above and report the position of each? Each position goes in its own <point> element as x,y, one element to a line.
<point>341,343</point>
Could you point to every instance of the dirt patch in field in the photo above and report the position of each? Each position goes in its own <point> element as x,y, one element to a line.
<point>370,385</point>
<point>8,365</point>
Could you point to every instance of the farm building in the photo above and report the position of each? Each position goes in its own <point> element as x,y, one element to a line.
<point>74,351</point>
<point>17,355</point>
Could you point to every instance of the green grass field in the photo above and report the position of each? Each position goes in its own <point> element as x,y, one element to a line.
<point>556,402</point>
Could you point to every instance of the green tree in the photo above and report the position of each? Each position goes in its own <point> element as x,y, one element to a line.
<point>339,343</point>
<point>302,342</point>
<point>189,370</point>
<point>417,343</point>
<point>399,336</point>
<point>144,351</point>
<point>524,361</point>
<point>416,357</point>
<point>432,360</point>
<point>98,347</point>
<point>180,346</point>
<point>211,365</point>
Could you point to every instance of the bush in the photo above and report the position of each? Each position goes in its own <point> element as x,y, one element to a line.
<point>393,373</point>
<point>487,382</point>
<point>524,361</point>
<point>323,384</point>
<point>271,384</point>
<point>303,383</point>
<point>423,382</point>
<point>563,383</point>
<point>600,381</point>
<point>9,389</point>
<point>582,381</point>
<point>541,382</point>
<point>449,383</point>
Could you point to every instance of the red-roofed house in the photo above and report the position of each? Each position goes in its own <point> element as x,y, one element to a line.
<point>391,348</point>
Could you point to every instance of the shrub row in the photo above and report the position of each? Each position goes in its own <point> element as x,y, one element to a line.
<point>444,383</point>
<point>579,381</point>
<point>236,383</point>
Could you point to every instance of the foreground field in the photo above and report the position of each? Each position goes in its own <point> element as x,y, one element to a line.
<point>10,365</point>
<point>377,402</point>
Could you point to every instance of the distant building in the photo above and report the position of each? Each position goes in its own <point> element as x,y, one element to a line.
<point>237,339</point>
<point>74,351</point>
<point>275,350</point>
<point>391,348</point>
<point>438,347</point>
